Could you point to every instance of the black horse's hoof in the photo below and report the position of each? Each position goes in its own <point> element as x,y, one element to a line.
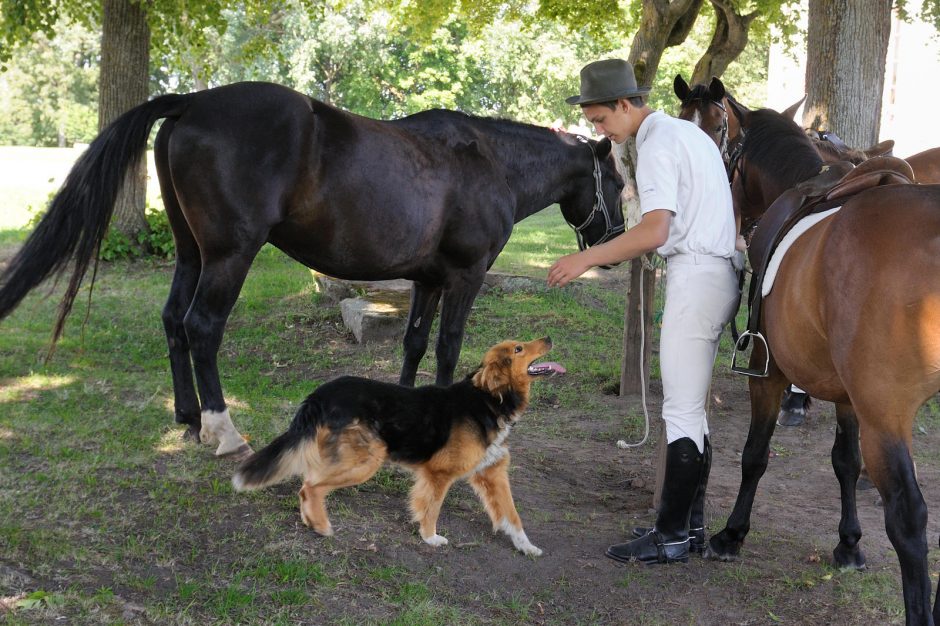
<point>192,433</point>
<point>239,454</point>
<point>848,559</point>
<point>721,550</point>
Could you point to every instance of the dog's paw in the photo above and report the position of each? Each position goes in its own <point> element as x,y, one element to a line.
<point>529,550</point>
<point>435,540</point>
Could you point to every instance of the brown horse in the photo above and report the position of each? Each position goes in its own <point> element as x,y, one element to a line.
<point>707,108</point>
<point>854,319</point>
<point>926,166</point>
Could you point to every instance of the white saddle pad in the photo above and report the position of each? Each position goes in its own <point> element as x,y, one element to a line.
<point>801,227</point>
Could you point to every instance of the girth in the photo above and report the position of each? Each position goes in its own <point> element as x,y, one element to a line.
<point>830,188</point>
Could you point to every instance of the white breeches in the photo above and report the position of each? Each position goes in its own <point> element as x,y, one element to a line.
<point>701,294</point>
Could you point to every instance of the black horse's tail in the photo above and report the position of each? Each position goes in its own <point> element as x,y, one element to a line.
<point>77,219</point>
<point>290,454</point>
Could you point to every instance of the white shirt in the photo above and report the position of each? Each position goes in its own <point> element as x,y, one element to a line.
<point>680,169</point>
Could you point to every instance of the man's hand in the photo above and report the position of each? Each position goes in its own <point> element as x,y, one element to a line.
<point>566,269</point>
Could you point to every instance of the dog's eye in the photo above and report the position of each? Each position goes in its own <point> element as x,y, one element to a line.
<point>518,348</point>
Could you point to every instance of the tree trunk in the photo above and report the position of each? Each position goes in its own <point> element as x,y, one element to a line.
<point>663,24</point>
<point>728,42</point>
<point>125,83</point>
<point>847,42</point>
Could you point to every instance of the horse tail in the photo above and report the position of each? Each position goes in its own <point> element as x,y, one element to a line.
<point>293,453</point>
<point>77,219</point>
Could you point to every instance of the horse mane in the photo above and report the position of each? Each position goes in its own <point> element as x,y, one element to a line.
<point>852,155</point>
<point>778,146</point>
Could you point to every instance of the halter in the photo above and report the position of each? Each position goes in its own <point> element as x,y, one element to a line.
<point>600,206</point>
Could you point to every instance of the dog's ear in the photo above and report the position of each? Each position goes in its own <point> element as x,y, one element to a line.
<point>494,375</point>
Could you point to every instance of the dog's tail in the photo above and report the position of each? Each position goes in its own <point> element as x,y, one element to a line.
<point>290,454</point>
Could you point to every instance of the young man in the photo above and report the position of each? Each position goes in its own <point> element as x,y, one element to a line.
<point>687,217</point>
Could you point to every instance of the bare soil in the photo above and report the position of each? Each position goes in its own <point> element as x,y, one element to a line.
<point>577,493</point>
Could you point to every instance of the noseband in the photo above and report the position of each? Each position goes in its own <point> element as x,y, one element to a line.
<point>600,206</point>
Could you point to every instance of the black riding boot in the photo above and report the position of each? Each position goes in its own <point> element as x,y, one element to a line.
<point>697,516</point>
<point>668,540</point>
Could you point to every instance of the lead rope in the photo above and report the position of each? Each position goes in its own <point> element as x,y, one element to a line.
<point>622,444</point>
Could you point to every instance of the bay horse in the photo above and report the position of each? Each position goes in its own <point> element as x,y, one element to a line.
<point>853,318</point>
<point>432,197</point>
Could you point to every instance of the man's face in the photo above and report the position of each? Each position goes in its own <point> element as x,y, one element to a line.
<point>617,124</point>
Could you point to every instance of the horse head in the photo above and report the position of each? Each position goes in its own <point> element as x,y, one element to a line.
<point>593,205</point>
<point>770,155</point>
<point>705,106</point>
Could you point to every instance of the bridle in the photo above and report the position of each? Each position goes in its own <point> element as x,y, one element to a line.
<point>723,138</point>
<point>600,205</point>
<point>733,164</point>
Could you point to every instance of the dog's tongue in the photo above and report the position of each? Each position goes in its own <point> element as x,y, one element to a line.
<point>549,367</point>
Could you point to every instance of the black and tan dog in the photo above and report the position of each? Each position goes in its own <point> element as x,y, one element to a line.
<point>349,427</point>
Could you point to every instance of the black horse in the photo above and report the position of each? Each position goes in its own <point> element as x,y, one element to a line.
<point>431,197</point>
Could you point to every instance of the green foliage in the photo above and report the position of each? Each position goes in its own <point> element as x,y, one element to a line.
<point>49,93</point>
<point>155,241</point>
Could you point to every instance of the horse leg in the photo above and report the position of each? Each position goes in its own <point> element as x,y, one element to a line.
<point>887,456</point>
<point>846,461</point>
<point>765,400</point>
<point>218,288</point>
<point>424,302</point>
<point>185,277</point>
<point>458,300</point>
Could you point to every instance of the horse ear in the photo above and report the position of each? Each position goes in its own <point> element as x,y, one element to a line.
<point>603,148</point>
<point>680,87</point>
<point>716,89</point>
<point>740,111</point>
<point>885,148</point>
<point>790,111</point>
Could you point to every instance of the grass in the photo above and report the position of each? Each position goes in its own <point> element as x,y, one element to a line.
<point>97,483</point>
<point>115,520</point>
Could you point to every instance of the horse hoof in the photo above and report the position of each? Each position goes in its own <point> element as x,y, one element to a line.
<point>712,555</point>
<point>192,433</point>
<point>848,560</point>
<point>791,418</point>
<point>240,453</point>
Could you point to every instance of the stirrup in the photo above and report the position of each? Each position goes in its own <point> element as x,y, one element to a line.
<point>741,344</point>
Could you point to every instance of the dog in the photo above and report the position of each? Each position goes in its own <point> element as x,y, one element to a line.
<point>349,427</point>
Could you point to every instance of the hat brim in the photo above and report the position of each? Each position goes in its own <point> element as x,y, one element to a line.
<point>578,99</point>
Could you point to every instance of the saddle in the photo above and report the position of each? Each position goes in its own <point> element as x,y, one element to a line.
<point>832,187</point>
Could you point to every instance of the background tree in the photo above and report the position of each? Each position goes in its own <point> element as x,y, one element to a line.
<point>847,42</point>
<point>126,28</point>
<point>49,92</point>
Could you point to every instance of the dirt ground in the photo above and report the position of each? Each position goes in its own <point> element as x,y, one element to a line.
<point>577,493</point>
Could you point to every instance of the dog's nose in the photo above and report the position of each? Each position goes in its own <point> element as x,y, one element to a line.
<point>548,341</point>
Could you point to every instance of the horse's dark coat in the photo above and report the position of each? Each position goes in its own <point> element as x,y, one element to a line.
<point>432,198</point>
